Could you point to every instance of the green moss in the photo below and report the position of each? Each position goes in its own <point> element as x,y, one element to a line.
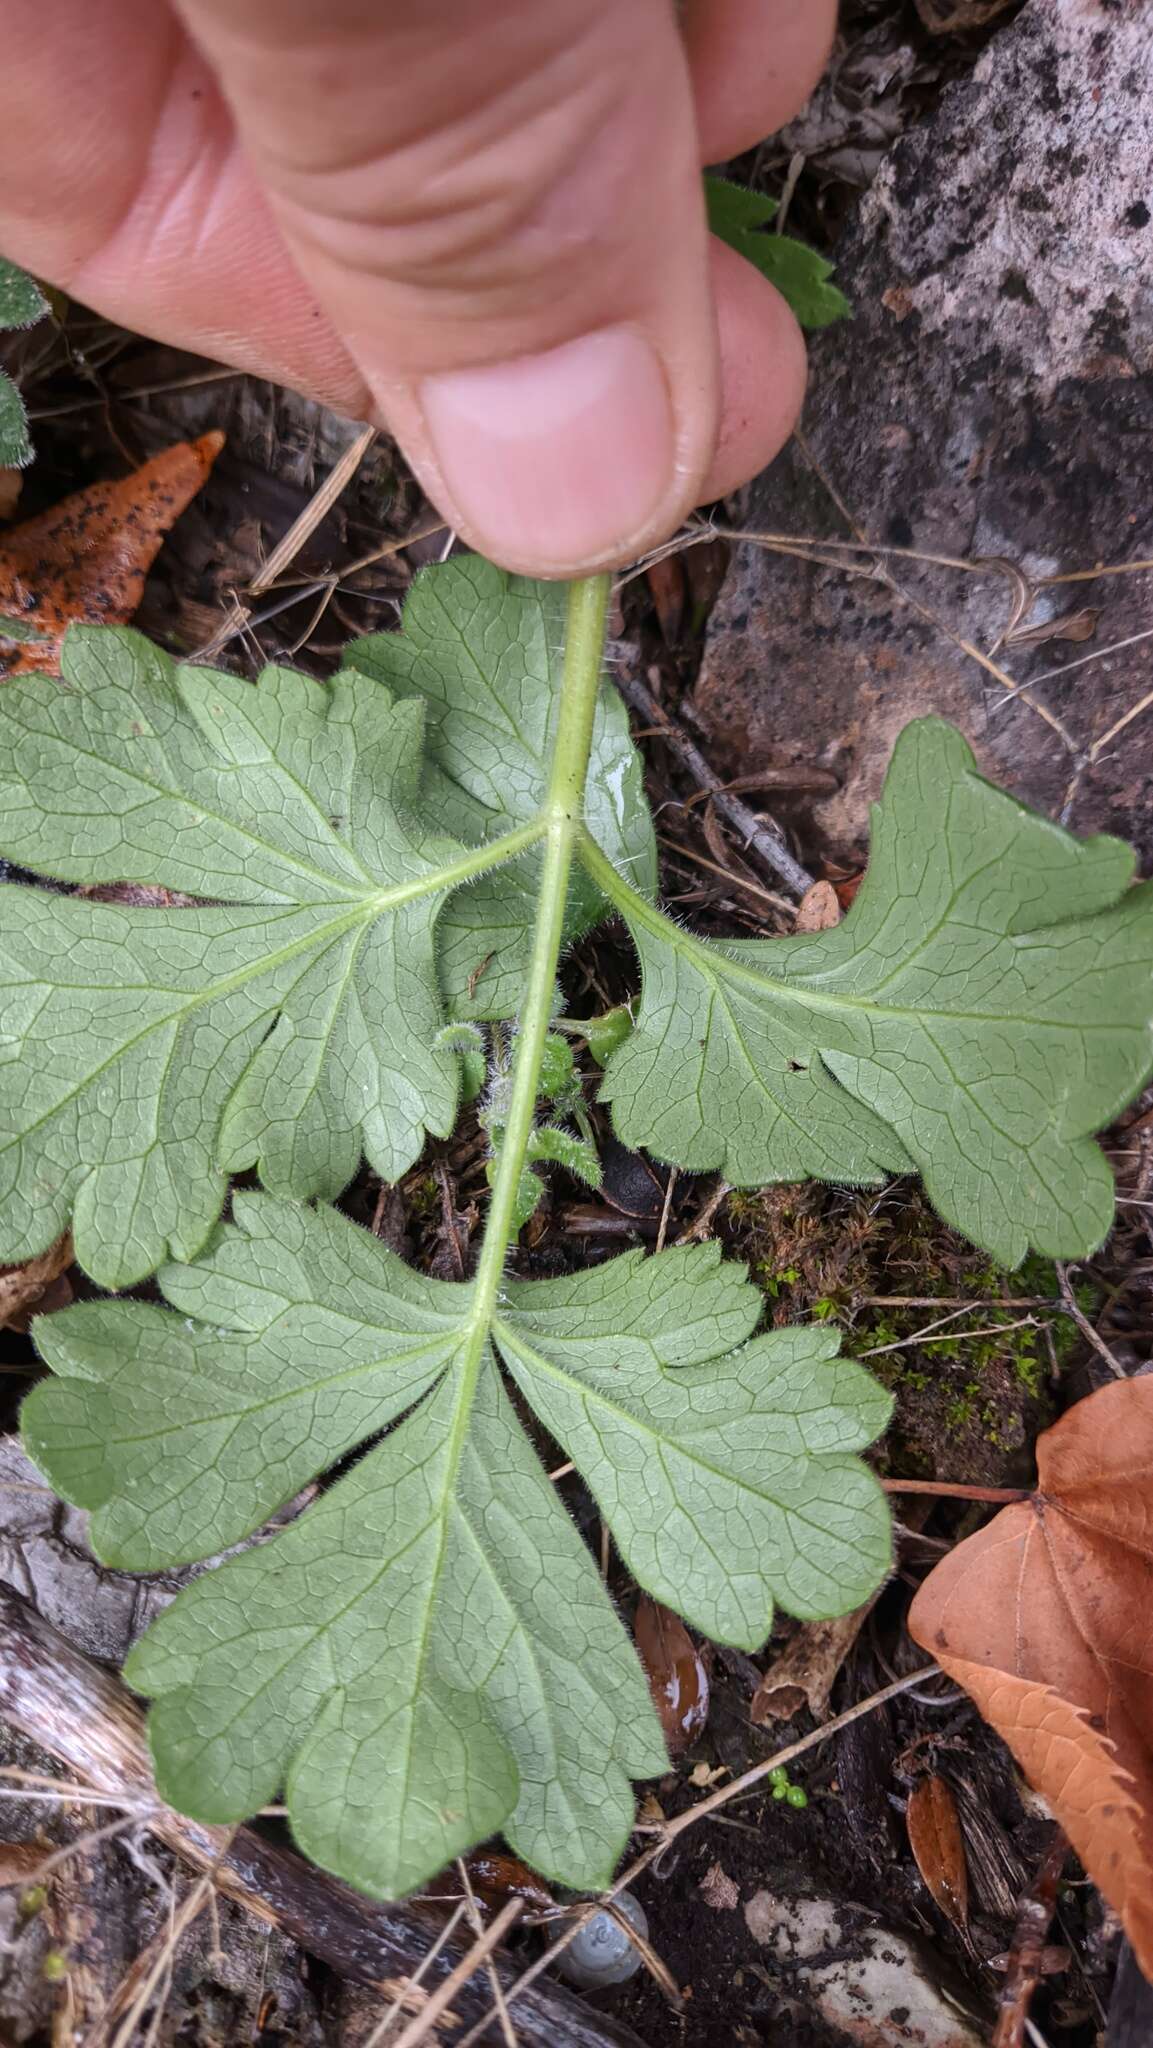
<point>876,1267</point>
<point>424,1197</point>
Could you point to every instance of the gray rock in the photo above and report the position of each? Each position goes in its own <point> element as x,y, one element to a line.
<point>991,398</point>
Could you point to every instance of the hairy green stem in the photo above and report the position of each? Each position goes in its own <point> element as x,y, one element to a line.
<point>562,813</point>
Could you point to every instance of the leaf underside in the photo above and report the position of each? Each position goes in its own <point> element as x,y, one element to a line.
<point>484,653</point>
<point>428,1654</point>
<point>289,1022</point>
<point>982,1010</point>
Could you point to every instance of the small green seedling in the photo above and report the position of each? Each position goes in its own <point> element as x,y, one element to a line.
<point>784,1789</point>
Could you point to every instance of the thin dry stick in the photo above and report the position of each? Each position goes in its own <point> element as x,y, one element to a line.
<point>70,1849</point>
<point>1090,575</point>
<point>317,508</point>
<point>951,1489</point>
<point>419,2029</point>
<point>952,1336</point>
<point>1033,1916</point>
<point>290,544</point>
<point>953,1301</point>
<point>655,1964</point>
<point>734,881</point>
<point>662,1233</point>
<point>59,412</point>
<point>701,1222</point>
<point>379,2035</point>
<point>1090,1335</point>
<point>755,836</point>
<point>133,1994</point>
<point>669,1830</point>
<point>936,1324</point>
<point>476,1922</point>
<point>1136,711</point>
<point>1064,668</point>
<point>923,611</point>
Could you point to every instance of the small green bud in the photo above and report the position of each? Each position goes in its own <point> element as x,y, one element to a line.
<point>797,1796</point>
<point>608,1031</point>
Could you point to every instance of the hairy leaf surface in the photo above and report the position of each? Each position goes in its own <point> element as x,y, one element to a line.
<point>15,445</point>
<point>982,1010</point>
<point>22,303</point>
<point>428,1652</point>
<point>485,653</point>
<point>289,1023</point>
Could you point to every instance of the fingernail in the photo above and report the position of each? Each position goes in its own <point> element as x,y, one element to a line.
<point>556,460</point>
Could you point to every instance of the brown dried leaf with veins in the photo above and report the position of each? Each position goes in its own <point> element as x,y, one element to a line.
<point>806,1670</point>
<point>938,1846</point>
<point>676,1674</point>
<point>1046,1618</point>
<point>85,561</point>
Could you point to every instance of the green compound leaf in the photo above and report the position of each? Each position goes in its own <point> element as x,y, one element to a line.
<point>982,1010</point>
<point>288,1023</point>
<point>484,651</point>
<point>428,1653</point>
<point>741,219</point>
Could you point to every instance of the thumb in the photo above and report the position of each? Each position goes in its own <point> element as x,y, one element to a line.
<point>500,209</point>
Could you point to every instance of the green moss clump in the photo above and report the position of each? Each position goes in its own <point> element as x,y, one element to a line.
<point>974,1393</point>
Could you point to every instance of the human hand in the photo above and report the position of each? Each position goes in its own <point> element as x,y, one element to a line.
<point>480,225</point>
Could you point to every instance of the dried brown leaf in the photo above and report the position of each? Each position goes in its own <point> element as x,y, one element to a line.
<point>1075,626</point>
<point>23,1287</point>
<point>677,1677</point>
<point>719,1890</point>
<point>938,1846</point>
<point>85,561</point>
<point>819,909</point>
<point>805,1672</point>
<point>1046,1618</point>
<point>499,1877</point>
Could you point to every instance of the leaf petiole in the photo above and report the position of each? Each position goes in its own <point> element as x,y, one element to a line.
<point>562,816</point>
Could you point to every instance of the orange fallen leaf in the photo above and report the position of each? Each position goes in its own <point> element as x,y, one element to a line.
<point>85,561</point>
<point>1046,1618</point>
<point>938,1847</point>
<point>676,1674</point>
